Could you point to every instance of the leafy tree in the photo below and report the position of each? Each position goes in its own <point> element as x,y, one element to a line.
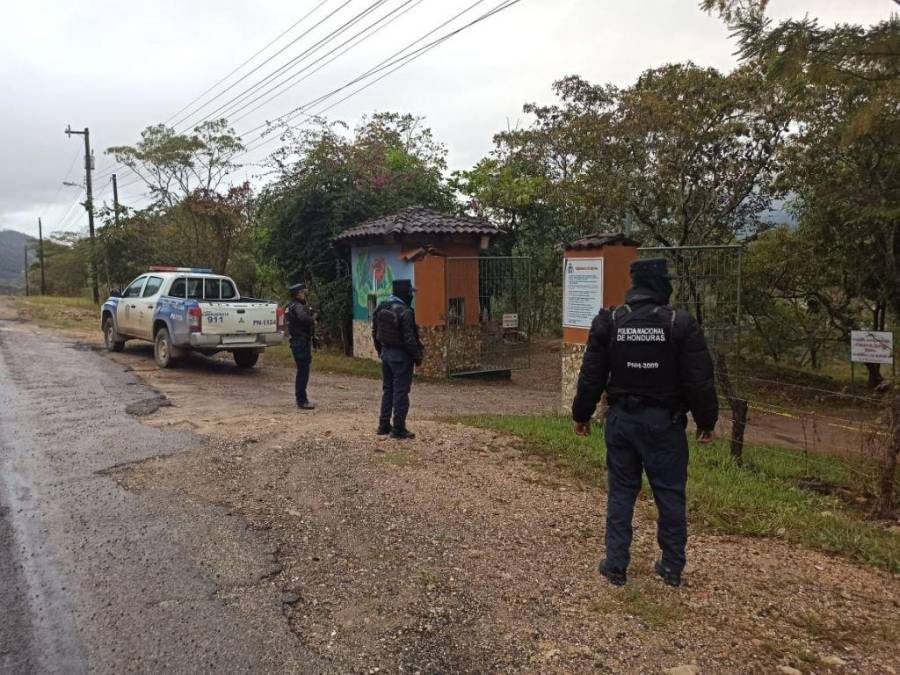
<point>843,162</point>
<point>326,180</point>
<point>175,165</point>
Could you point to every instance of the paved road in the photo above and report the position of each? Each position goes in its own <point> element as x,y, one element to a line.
<point>94,578</point>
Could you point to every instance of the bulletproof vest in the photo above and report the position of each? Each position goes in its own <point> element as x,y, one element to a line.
<point>643,356</point>
<point>387,324</point>
<point>295,328</point>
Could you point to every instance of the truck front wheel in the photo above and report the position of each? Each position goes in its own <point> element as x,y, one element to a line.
<point>246,358</point>
<point>164,352</point>
<point>113,342</point>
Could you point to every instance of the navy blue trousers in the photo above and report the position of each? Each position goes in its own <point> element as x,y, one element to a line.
<point>650,440</point>
<point>396,376</point>
<point>303,359</point>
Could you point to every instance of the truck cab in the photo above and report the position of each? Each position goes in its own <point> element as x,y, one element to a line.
<point>181,309</point>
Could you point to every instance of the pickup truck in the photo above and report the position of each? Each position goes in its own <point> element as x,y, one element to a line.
<point>180,309</point>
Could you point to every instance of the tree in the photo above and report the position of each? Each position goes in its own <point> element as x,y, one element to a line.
<point>327,180</point>
<point>174,165</point>
<point>843,162</point>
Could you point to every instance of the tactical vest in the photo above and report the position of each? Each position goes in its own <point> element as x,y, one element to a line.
<point>643,356</point>
<point>387,324</point>
<point>295,328</point>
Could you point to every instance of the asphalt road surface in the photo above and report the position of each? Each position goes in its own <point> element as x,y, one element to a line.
<point>94,578</point>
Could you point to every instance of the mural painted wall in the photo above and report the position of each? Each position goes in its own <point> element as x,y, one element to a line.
<point>374,271</point>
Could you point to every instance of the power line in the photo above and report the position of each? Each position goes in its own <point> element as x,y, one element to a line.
<point>376,68</point>
<point>268,60</point>
<point>222,110</point>
<point>355,43</point>
<point>110,168</point>
<point>390,65</point>
<point>258,52</point>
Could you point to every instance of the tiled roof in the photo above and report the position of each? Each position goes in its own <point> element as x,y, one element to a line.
<point>417,220</point>
<point>601,239</point>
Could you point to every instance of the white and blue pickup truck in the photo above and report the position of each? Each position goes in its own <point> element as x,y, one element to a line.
<point>180,309</point>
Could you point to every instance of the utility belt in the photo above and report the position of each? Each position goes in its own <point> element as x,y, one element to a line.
<point>634,403</point>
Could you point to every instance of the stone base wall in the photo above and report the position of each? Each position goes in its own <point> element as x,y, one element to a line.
<point>434,338</point>
<point>363,347</point>
<point>571,357</point>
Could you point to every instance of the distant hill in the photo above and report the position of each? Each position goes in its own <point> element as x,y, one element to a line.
<point>12,263</point>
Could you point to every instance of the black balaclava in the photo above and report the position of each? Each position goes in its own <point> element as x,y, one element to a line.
<point>656,288</point>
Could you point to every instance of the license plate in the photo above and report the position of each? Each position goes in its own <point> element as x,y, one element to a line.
<point>231,339</point>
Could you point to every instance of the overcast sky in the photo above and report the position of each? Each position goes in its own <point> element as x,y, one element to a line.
<point>117,67</point>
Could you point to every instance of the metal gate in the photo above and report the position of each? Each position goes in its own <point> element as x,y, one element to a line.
<point>707,282</point>
<point>487,305</point>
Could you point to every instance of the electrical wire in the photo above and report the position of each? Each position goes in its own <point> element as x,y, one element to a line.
<point>268,60</point>
<point>257,53</point>
<point>391,67</point>
<point>224,109</point>
<point>355,40</point>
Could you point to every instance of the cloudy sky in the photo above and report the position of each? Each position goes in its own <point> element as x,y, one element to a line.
<point>117,67</point>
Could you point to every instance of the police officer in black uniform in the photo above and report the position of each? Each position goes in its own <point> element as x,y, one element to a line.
<point>301,323</point>
<point>397,341</point>
<point>654,365</point>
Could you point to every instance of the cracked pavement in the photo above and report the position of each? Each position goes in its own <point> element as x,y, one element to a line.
<point>97,579</point>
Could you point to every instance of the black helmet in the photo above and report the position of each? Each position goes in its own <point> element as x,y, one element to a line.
<point>296,288</point>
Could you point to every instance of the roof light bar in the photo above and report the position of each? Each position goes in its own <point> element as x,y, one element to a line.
<point>169,268</point>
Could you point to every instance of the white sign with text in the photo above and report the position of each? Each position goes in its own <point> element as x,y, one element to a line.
<point>582,291</point>
<point>871,346</point>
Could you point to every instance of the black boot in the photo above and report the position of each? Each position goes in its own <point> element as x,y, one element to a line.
<point>402,433</point>
<point>383,429</point>
<point>615,576</point>
<point>669,576</point>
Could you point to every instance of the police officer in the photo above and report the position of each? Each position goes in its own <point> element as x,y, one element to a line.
<point>654,365</point>
<point>301,322</point>
<point>397,341</point>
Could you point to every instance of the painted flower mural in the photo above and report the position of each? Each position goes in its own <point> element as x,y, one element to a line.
<point>374,271</point>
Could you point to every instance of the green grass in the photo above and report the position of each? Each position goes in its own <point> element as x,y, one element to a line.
<point>326,361</point>
<point>764,498</point>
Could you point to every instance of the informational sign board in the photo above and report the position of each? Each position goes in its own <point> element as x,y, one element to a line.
<point>510,320</point>
<point>582,291</point>
<point>871,346</point>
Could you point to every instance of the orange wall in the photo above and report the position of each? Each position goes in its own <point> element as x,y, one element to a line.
<point>617,260</point>
<point>431,280</point>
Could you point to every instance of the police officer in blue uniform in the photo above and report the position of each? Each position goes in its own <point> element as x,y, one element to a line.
<point>397,342</point>
<point>301,323</point>
<point>653,363</point>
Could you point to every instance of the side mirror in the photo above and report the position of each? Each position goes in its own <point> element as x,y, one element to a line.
<point>115,293</point>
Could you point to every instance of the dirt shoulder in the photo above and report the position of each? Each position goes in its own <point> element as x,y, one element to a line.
<point>457,552</point>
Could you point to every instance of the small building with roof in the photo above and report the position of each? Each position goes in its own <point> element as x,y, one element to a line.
<point>415,244</point>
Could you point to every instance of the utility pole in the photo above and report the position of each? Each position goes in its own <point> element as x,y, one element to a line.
<point>26,271</point>
<point>41,255</point>
<point>89,205</point>
<point>115,200</point>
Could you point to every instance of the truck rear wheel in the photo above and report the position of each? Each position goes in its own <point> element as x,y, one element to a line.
<point>246,358</point>
<point>110,337</point>
<point>164,352</point>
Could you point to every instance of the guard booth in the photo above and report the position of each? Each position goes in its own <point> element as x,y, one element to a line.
<point>469,308</point>
<point>596,274</point>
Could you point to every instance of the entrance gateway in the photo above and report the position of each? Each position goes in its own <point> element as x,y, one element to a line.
<point>488,314</point>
